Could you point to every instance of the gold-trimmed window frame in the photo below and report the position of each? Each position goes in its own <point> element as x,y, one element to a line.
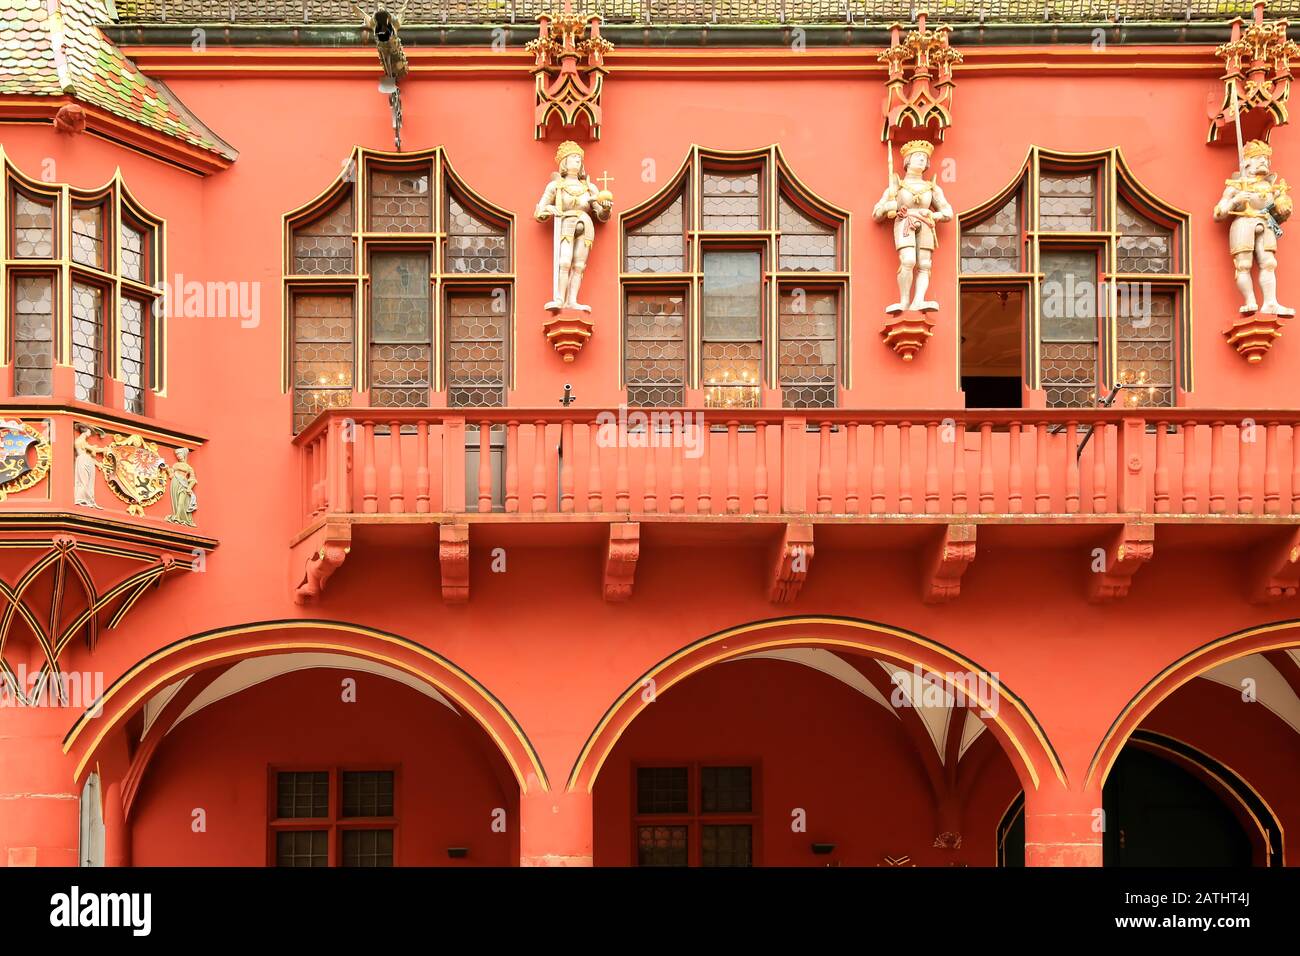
<point>1115,180</point>
<point>117,204</point>
<point>776,181</point>
<point>354,180</point>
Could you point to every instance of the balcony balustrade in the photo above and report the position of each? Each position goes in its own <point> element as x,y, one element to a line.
<point>721,464</point>
<point>857,479</point>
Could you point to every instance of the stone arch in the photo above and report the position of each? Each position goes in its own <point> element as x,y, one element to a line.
<point>1006,716</point>
<point>229,645</point>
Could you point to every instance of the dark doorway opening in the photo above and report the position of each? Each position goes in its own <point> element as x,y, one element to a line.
<point>992,362</point>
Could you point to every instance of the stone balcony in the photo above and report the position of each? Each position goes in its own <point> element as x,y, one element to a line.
<point>1109,480</point>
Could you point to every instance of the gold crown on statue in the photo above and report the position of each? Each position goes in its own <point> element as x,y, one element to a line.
<point>917,146</point>
<point>568,148</point>
<point>1256,148</point>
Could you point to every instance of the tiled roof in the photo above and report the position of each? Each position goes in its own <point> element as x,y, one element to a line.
<point>53,47</point>
<point>757,12</point>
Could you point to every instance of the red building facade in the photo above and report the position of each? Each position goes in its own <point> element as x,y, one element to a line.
<point>327,542</point>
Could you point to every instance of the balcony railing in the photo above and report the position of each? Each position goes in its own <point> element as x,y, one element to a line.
<point>839,465</point>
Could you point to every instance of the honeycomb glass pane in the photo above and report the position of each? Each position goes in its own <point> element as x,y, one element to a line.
<point>731,202</point>
<point>655,349</point>
<point>658,245</point>
<point>476,350</point>
<point>87,341</point>
<point>324,245</point>
<point>1144,246</point>
<point>33,228</point>
<point>1145,332</point>
<point>731,372</point>
<point>474,245</point>
<point>1067,202</point>
<point>806,245</point>
<point>807,348</point>
<point>400,200</point>
<point>322,354</point>
<point>33,335</point>
<point>992,247</point>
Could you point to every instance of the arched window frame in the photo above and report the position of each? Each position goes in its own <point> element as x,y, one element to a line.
<point>777,182</point>
<point>117,380</point>
<point>1115,181</point>
<point>353,187</point>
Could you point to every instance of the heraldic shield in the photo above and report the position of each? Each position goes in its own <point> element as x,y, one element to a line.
<point>134,471</point>
<point>24,456</point>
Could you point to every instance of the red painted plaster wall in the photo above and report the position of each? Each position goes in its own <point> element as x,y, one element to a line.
<point>447,785</point>
<point>816,745</point>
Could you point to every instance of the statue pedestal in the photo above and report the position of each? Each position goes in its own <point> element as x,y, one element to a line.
<point>568,331</point>
<point>1253,335</point>
<point>907,332</point>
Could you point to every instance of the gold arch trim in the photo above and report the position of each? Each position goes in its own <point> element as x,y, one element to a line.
<point>1147,693</point>
<point>522,774</point>
<point>725,654</point>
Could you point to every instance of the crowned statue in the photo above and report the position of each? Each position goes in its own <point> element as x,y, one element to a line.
<point>571,201</point>
<point>1256,202</point>
<point>915,204</point>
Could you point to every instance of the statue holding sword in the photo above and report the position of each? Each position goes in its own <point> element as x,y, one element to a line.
<point>1256,201</point>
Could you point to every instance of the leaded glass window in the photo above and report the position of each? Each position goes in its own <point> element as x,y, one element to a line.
<point>476,349</point>
<point>324,245</point>
<point>130,344</point>
<point>33,228</point>
<point>401,335</point>
<point>88,341</point>
<point>34,335</point>
<point>738,239</point>
<point>322,354</point>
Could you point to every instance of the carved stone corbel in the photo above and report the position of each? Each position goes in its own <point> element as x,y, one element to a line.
<point>621,555</point>
<point>1277,571</point>
<point>948,560</point>
<point>793,558</point>
<point>453,562</point>
<point>319,555</point>
<point>1130,547</point>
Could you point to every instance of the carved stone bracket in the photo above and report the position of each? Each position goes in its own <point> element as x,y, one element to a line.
<point>1253,335</point>
<point>793,558</point>
<point>319,556</point>
<point>567,331</point>
<point>907,333</point>
<point>620,559</point>
<point>947,562</point>
<point>1277,570</point>
<point>1130,547</point>
<point>453,562</point>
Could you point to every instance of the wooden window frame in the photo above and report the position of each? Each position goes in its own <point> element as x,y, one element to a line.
<point>333,823</point>
<point>444,184</point>
<point>116,206</point>
<point>695,819</point>
<point>1115,181</point>
<point>776,182</point>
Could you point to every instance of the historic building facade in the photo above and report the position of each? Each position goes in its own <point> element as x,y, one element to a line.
<point>680,433</point>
